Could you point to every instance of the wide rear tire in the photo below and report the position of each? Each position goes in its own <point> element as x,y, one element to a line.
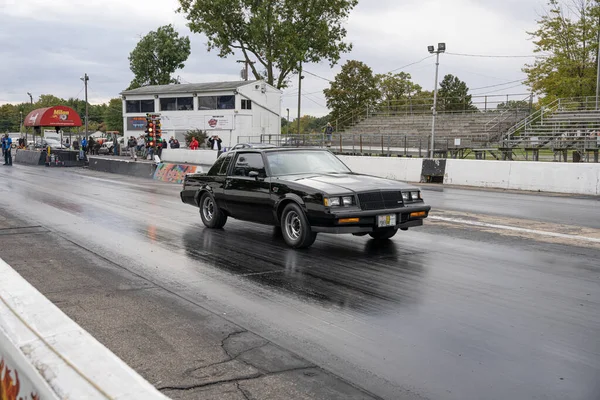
<point>384,234</point>
<point>211,214</point>
<point>295,227</point>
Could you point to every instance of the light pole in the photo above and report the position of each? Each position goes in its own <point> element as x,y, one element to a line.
<point>85,80</point>
<point>26,143</point>
<point>440,49</point>
<point>300,77</point>
<point>288,122</point>
<point>21,124</point>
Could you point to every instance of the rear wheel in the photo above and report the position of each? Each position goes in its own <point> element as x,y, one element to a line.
<point>384,234</point>
<point>295,227</point>
<point>211,214</point>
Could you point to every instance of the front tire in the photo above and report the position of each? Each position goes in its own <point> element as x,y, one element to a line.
<point>384,234</point>
<point>211,214</point>
<point>295,227</point>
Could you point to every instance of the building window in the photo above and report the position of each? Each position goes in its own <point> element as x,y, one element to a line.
<point>207,103</point>
<point>185,103</point>
<point>246,105</point>
<point>139,106</point>
<point>226,102</point>
<point>168,104</point>
<point>147,106</point>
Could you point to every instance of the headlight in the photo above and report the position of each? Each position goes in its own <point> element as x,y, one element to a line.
<point>406,196</point>
<point>332,202</point>
<point>348,200</point>
<point>415,195</point>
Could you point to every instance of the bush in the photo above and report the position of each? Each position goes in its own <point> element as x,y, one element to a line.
<point>198,134</point>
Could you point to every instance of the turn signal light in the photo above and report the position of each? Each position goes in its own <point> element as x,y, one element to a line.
<point>349,220</point>
<point>420,214</point>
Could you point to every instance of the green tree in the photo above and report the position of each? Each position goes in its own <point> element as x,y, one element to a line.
<point>157,56</point>
<point>513,105</point>
<point>113,115</point>
<point>353,90</point>
<point>278,34</point>
<point>453,95</point>
<point>567,40</point>
<point>396,90</point>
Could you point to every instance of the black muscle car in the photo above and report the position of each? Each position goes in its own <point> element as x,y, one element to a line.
<point>303,192</point>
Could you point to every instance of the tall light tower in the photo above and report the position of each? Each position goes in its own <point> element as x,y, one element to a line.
<point>26,143</point>
<point>85,80</point>
<point>440,49</point>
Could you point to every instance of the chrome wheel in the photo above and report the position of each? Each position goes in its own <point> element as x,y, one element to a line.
<point>208,208</point>
<point>293,225</point>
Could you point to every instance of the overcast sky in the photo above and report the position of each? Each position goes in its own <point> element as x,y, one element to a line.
<point>48,45</point>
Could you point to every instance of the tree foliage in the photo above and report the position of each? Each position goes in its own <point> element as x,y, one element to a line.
<point>397,90</point>
<point>278,34</point>
<point>353,90</point>
<point>567,41</point>
<point>308,124</point>
<point>157,56</point>
<point>453,95</point>
<point>113,115</point>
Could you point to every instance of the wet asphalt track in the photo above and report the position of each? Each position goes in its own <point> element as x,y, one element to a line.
<point>447,311</point>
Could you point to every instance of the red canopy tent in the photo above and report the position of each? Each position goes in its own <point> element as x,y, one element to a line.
<point>58,117</point>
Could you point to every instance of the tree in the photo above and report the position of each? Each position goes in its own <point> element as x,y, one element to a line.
<point>513,105</point>
<point>567,39</point>
<point>353,90</point>
<point>396,90</point>
<point>453,95</point>
<point>157,56</point>
<point>113,115</point>
<point>279,34</point>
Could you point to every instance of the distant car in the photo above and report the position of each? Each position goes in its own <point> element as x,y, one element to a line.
<point>52,143</point>
<point>252,146</point>
<point>304,192</point>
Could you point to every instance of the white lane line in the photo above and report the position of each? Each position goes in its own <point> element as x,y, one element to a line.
<point>514,228</point>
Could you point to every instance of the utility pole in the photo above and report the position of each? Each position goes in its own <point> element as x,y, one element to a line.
<point>299,95</point>
<point>598,70</point>
<point>287,126</point>
<point>441,48</point>
<point>31,100</point>
<point>85,80</point>
<point>246,72</point>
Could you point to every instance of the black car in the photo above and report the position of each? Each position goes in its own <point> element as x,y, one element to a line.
<point>304,192</point>
<point>240,146</point>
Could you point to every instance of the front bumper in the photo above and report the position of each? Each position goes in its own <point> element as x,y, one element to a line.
<point>367,220</point>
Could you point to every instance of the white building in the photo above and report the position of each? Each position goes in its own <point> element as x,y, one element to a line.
<point>232,110</point>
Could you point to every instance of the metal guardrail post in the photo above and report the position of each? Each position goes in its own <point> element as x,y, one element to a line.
<point>361,144</point>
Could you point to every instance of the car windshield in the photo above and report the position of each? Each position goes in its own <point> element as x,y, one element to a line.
<point>304,162</point>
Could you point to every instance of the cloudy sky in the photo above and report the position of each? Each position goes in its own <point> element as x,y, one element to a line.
<point>48,45</point>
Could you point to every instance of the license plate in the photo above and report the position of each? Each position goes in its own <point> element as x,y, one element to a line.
<point>386,220</point>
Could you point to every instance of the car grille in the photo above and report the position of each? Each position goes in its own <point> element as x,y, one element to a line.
<point>380,200</point>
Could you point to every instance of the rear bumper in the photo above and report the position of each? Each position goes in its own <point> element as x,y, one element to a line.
<point>367,220</point>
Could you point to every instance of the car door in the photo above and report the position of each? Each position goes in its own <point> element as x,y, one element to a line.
<point>219,172</point>
<point>247,189</point>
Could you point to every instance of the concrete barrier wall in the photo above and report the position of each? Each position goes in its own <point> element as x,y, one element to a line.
<point>45,354</point>
<point>194,157</point>
<point>30,157</point>
<point>579,178</point>
<point>175,173</point>
<point>123,167</point>
<point>402,169</point>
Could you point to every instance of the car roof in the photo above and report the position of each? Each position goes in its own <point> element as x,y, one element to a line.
<point>279,149</point>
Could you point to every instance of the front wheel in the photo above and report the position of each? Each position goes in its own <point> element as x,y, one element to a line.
<point>295,227</point>
<point>211,214</point>
<point>384,234</point>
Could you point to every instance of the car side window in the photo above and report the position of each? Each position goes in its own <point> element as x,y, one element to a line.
<point>225,165</point>
<point>248,162</point>
<point>214,170</point>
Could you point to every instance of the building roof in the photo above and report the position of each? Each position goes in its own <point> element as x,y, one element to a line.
<point>187,88</point>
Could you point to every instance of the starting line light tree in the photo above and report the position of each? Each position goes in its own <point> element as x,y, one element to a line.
<point>153,130</point>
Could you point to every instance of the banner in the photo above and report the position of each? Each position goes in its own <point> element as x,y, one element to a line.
<point>218,123</point>
<point>136,123</point>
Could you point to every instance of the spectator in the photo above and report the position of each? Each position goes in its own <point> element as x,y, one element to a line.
<point>215,143</point>
<point>194,144</point>
<point>6,146</point>
<point>84,145</point>
<point>175,144</point>
<point>132,144</point>
<point>328,133</point>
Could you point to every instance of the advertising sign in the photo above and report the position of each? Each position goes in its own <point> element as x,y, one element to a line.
<point>136,123</point>
<point>218,123</point>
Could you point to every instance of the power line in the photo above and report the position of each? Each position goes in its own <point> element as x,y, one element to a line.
<point>411,64</point>
<point>499,90</point>
<point>493,56</point>
<point>500,84</point>
<point>320,77</point>
<point>306,97</point>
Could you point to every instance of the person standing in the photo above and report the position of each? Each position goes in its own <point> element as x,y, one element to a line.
<point>194,144</point>
<point>132,145</point>
<point>6,147</point>
<point>328,133</point>
<point>215,142</point>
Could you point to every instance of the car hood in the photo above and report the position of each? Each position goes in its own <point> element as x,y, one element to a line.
<point>345,183</point>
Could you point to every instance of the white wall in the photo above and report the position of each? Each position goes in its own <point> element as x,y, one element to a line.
<point>401,169</point>
<point>266,108</point>
<point>30,324</point>
<point>488,174</point>
<point>195,157</point>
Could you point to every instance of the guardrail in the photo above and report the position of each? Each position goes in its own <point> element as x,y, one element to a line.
<point>45,355</point>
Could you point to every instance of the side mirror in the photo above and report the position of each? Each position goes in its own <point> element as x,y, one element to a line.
<point>253,174</point>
